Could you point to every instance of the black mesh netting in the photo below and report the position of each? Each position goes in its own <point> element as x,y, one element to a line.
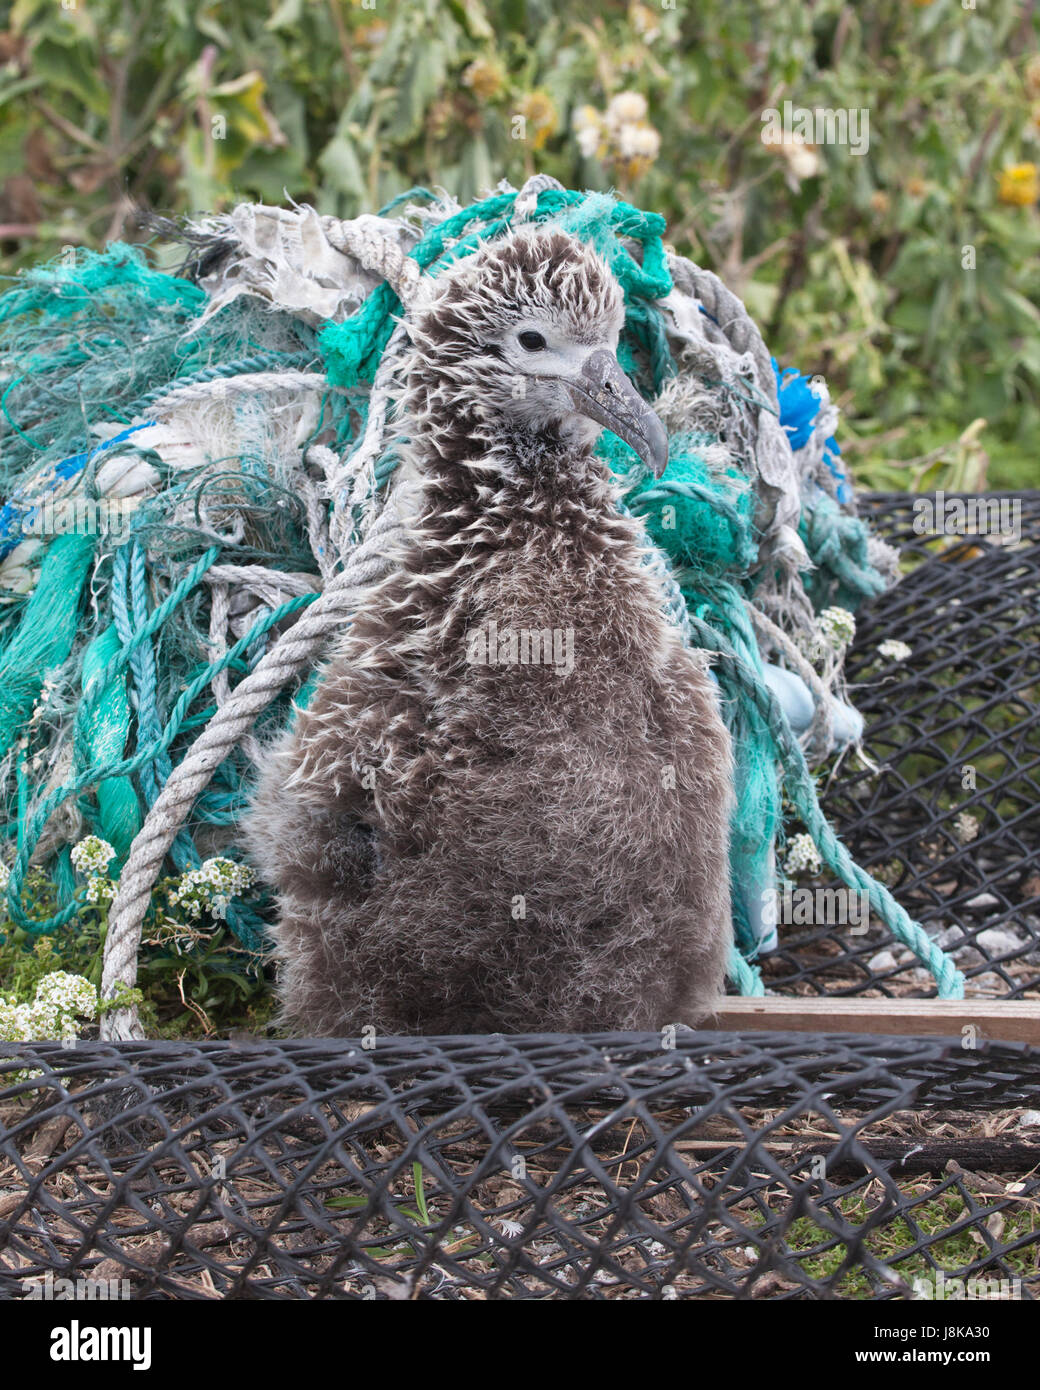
<point>617,1166</point>
<point>779,1166</point>
<point>950,820</point>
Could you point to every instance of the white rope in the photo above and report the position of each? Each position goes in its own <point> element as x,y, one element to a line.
<point>352,483</point>
<point>219,615</point>
<point>296,649</point>
<point>271,588</point>
<point>527,199</point>
<point>247,383</point>
<point>376,252</point>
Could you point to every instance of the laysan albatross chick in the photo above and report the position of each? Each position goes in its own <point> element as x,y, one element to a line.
<point>506,807</point>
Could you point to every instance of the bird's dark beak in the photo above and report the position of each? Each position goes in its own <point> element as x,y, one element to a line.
<point>604,393</point>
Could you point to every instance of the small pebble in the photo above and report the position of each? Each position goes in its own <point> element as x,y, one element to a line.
<point>984,900</point>
<point>884,960</point>
<point>950,939</point>
<point>996,941</point>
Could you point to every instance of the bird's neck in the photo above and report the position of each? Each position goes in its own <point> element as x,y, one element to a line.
<point>523,531</point>
<point>471,467</point>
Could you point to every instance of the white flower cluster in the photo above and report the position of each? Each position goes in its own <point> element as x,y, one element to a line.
<point>802,856</point>
<point>60,1000</point>
<point>892,650</point>
<point>100,891</point>
<point>837,626</point>
<point>5,877</point>
<point>92,855</point>
<point>966,827</point>
<point>834,630</point>
<point>211,887</point>
<point>622,133</point>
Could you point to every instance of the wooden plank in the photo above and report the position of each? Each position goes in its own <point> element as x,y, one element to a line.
<point>999,1020</point>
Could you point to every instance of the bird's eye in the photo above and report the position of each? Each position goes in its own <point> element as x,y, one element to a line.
<point>532,341</point>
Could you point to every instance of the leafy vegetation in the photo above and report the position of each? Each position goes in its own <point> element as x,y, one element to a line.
<point>908,273</point>
<point>894,1242</point>
<point>194,978</point>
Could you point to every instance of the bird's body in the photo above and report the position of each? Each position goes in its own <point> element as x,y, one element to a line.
<point>507,805</point>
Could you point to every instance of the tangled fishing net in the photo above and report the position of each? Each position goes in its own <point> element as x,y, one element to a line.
<point>199,470</point>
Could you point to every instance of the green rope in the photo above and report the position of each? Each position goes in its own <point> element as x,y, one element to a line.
<point>97,309</point>
<point>45,633</point>
<point>93,689</point>
<point>740,681</point>
<point>747,977</point>
<point>124,767</point>
<point>256,362</point>
<point>106,731</point>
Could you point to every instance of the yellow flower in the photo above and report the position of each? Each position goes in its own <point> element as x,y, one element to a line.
<point>880,202</point>
<point>538,109</point>
<point>484,78</point>
<point>1019,185</point>
<point>915,186</point>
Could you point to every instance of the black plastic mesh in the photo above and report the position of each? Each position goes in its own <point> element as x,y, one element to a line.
<point>782,1165</point>
<point>967,696</point>
<point>779,1166</point>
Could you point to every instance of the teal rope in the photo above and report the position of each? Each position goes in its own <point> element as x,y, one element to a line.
<point>257,362</point>
<point>153,776</point>
<point>747,977</point>
<point>126,767</point>
<point>802,793</point>
<point>34,444</point>
<point>104,678</point>
<point>744,547</point>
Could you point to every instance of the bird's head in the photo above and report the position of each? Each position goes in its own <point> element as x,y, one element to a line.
<point>520,340</point>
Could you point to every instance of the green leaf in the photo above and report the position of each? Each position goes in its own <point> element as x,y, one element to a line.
<point>341,166</point>
<point>71,67</point>
<point>286,16</point>
<point>473,17</point>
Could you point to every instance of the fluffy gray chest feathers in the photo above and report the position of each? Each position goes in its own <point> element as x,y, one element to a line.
<point>506,808</point>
